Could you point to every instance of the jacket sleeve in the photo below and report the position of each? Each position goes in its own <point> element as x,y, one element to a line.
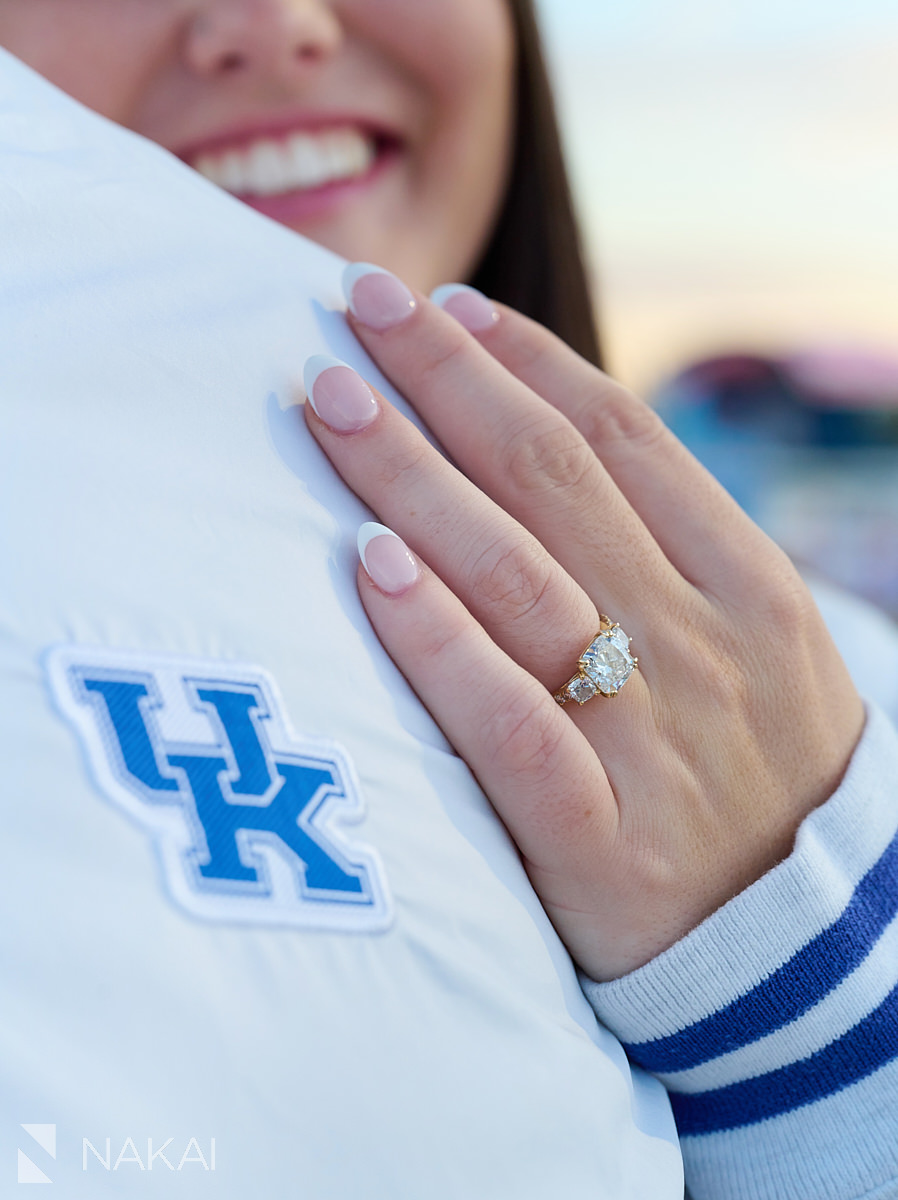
<point>774,1023</point>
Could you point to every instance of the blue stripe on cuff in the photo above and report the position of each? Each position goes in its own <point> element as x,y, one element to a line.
<point>865,1048</point>
<point>793,988</point>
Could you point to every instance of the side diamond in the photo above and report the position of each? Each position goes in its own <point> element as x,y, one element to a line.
<point>619,638</point>
<point>581,690</point>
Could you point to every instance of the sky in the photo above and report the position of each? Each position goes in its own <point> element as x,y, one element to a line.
<point>736,170</point>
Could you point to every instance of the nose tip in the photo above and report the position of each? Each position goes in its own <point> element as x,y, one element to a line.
<point>230,37</point>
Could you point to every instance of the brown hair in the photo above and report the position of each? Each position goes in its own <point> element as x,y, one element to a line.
<point>534,261</point>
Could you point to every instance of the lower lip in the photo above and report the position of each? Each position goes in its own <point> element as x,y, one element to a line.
<point>311,204</point>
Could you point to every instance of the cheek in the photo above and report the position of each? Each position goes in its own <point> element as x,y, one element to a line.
<point>91,49</point>
<point>465,59</point>
<point>459,57</point>
<point>473,116</point>
<point>476,46</point>
<point>456,57</point>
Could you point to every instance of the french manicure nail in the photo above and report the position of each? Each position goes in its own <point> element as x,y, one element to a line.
<point>469,307</point>
<point>339,396</point>
<point>386,558</point>
<point>376,297</point>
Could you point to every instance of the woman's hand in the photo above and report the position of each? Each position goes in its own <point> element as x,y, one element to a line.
<point>635,818</point>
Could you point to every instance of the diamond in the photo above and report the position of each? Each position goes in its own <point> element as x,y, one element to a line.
<point>619,638</point>
<point>608,662</point>
<point>581,690</point>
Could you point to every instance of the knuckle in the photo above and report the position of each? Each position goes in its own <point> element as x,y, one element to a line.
<point>445,350</point>
<point>444,642</point>
<point>532,348</point>
<point>403,467</point>
<point>778,602</point>
<point>786,603</point>
<point>619,422</point>
<point>511,578</point>
<point>547,454</point>
<point>732,686</point>
<point>715,673</point>
<point>527,742</point>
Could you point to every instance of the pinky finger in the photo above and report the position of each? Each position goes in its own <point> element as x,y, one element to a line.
<point>540,773</point>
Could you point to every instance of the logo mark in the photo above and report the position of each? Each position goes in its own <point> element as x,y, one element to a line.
<point>244,812</point>
<point>28,1170</point>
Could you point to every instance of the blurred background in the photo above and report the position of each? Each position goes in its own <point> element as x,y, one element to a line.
<point>735,164</point>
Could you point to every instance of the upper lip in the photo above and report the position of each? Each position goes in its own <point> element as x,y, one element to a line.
<point>246,132</point>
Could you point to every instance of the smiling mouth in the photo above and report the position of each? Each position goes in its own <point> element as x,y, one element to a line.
<point>300,162</point>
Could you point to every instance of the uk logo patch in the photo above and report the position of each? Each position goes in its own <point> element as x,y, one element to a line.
<point>248,817</point>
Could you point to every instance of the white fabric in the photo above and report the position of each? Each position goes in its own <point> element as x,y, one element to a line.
<point>159,496</point>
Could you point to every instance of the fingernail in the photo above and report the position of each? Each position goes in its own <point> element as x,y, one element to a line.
<point>386,558</point>
<point>339,396</point>
<point>469,307</point>
<point>376,297</point>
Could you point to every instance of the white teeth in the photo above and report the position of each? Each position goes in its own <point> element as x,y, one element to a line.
<point>305,160</point>
<point>230,167</point>
<point>266,169</point>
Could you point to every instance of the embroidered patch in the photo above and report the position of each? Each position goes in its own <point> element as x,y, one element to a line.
<point>244,812</point>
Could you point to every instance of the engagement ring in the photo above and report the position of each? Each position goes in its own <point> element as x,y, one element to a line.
<point>604,666</point>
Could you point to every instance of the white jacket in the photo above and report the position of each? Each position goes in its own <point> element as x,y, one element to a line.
<point>253,903</point>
